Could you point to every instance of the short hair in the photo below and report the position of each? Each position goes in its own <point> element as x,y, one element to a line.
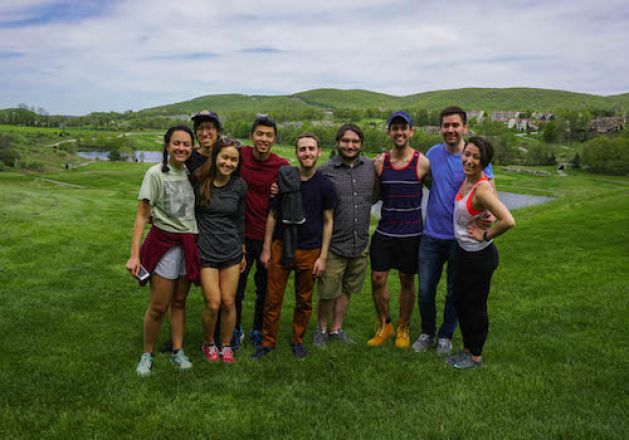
<point>485,148</point>
<point>266,120</point>
<point>453,110</point>
<point>350,127</point>
<point>310,135</point>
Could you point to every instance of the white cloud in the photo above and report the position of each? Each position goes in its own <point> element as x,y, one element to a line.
<point>134,54</point>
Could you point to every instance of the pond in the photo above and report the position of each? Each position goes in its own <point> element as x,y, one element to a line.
<point>139,156</point>
<point>511,201</point>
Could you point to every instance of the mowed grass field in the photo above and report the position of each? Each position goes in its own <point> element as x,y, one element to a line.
<point>556,358</point>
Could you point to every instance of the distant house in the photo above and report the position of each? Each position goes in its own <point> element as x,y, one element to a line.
<point>607,124</point>
<point>543,116</point>
<point>504,116</point>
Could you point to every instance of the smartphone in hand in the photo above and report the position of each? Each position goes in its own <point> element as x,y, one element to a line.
<point>143,274</point>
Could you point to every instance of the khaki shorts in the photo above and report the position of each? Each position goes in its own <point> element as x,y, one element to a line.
<point>342,275</point>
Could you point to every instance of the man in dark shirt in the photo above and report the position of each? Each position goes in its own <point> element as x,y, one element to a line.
<point>258,167</point>
<point>318,199</point>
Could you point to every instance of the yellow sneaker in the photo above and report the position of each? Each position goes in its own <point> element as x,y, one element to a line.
<point>402,338</point>
<point>384,332</point>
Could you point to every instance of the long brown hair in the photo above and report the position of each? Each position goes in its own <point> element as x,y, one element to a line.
<point>206,173</point>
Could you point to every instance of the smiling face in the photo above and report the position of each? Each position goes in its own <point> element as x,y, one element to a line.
<point>227,160</point>
<point>400,133</point>
<point>349,146</point>
<point>307,152</point>
<point>471,159</point>
<point>207,134</point>
<point>263,138</point>
<point>179,148</point>
<point>452,129</point>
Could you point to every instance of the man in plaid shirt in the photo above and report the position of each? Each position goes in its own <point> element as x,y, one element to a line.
<point>354,178</point>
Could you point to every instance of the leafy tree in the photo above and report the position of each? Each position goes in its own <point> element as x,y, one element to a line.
<point>550,133</point>
<point>607,155</point>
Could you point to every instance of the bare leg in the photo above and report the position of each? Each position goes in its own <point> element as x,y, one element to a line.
<point>162,290</point>
<point>325,308</point>
<point>178,312</point>
<point>212,296</point>
<point>228,282</point>
<point>340,308</point>
<point>407,296</point>
<point>380,294</point>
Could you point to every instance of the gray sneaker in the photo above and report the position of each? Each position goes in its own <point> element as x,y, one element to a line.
<point>466,362</point>
<point>181,360</point>
<point>459,355</point>
<point>319,338</point>
<point>341,336</point>
<point>423,343</point>
<point>145,365</point>
<point>444,346</point>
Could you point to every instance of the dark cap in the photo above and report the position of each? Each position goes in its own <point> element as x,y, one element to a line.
<point>400,115</point>
<point>206,115</point>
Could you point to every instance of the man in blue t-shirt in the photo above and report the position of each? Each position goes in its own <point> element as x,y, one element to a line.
<point>438,243</point>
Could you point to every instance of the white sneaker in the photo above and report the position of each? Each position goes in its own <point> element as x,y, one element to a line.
<point>145,365</point>
<point>423,343</point>
<point>181,360</point>
<point>444,346</point>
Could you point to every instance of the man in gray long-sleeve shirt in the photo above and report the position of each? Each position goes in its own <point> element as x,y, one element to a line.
<point>354,178</point>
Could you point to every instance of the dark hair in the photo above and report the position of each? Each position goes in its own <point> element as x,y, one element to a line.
<point>310,135</point>
<point>266,120</point>
<point>167,136</point>
<point>350,127</point>
<point>206,173</point>
<point>200,118</point>
<point>485,148</point>
<point>453,110</point>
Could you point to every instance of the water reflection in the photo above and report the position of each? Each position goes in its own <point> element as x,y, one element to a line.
<point>138,156</point>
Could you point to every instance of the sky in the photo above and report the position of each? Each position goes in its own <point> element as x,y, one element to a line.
<point>76,57</point>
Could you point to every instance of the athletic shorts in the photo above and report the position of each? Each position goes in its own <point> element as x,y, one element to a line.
<point>342,275</point>
<point>394,253</point>
<point>221,264</point>
<point>172,265</point>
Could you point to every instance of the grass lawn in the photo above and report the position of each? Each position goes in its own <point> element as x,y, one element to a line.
<point>71,333</point>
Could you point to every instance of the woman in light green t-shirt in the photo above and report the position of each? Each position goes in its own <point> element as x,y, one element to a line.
<point>167,199</point>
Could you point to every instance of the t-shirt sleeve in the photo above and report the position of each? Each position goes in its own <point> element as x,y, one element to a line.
<point>330,198</point>
<point>489,171</point>
<point>151,187</point>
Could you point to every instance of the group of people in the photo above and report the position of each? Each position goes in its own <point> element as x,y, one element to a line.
<point>219,209</point>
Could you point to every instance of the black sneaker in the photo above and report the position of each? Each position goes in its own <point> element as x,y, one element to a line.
<point>260,352</point>
<point>319,338</point>
<point>299,351</point>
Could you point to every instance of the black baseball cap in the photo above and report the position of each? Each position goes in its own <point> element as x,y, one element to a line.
<point>206,115</point>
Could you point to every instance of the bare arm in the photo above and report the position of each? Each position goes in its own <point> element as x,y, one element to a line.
<point>328,225</point>
<point>423,167</point>
<point>265,256</point>
<point>377,169</point>
<point>486,198</point>
<point>141,219</point>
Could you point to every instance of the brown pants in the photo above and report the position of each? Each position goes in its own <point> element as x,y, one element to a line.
<point>304,282</point>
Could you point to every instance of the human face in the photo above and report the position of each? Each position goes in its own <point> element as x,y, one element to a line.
<point>179,148</point>
<point>349,146</point>
<point>263,138</point>
<point>307,152</point>
<point>207,134</point>
<point>227,160</point>
<point>452,129</point>
<point>471,159</point>
<point>401,134</point>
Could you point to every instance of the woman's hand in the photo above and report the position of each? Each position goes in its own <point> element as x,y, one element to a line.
<point>243,263</point>
<point>133,266</point>
<point>476,232</point>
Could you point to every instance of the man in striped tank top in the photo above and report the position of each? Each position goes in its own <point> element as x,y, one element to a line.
<point>395,244</point>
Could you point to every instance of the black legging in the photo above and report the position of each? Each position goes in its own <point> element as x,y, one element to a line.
<point>472,278</point>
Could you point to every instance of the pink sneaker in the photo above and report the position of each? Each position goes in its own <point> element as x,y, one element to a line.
<point>228,355</point>
<point>210,352</point>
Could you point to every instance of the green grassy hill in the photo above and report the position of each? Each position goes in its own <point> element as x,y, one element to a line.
<point>488,99</point>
